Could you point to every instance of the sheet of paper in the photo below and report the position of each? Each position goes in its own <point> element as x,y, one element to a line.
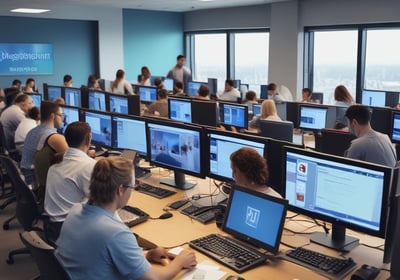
<point>204,271</point>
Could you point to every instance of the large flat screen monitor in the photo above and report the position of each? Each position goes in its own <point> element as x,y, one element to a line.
<point>168,84</point>
<point>234,114</point>
<point>147,94</point>
<point>204,112</point>
<point>347,193</point>
<point>123,127</point>
<point>97,100</point>
<point>312,117</point>
<point>100,123</point>
<point>256,108</point>
<point>73,96</point>
<point>180,109</point>
<point>395,131</point>
<point>118,104</point>
<point>222,144</point>
<point>178,147</point>
<point>381,119</point>
<point>71,114</point>
<point>53,92</point>
<point>373,98</point>
<point>36,98</point>
<point>193,88</point>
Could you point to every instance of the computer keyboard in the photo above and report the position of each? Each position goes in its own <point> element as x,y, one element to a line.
<point>154,191</point>
<point>204,214</point>
<point>328,266</point>
<point>229,252</point>
<point>132,215</point>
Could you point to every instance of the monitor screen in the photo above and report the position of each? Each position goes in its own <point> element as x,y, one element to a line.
<point>97,101</point>
<point>395,133</point>
<point>326,187</point>
<point>71,114</point>
<point>256,109</point>
<point>193,88</point>
<point>175,146</point>
<point>255,217</point>
<point>118,104</point>
<point>123,126</point>
<point>147,94</point>
<point>204,112</point>
<point>234,114</point>
<point>312,117</point>
<point>36,98</point>
<point>263,91</point>
<point>222,144</point>
<point>73,97</point>
<point>169,84</point>
<point>373,98</point>
<point>180,109</point>
<point>100,124</point>
<point>53,93</point>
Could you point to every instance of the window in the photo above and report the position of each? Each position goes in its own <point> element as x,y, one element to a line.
<point>251,58</point>
<point>382,63</point>
<point>334,62</point>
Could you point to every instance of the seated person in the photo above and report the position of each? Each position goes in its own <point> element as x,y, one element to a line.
<point>32,120</point>
<point>158,83</point>
<point>160,107</point>
<point>67,80</point>
<point>120,85</point>
<point>178,89</point>
<point>273,93</point>
<point>343,96</point>
<point>93,234</point>
<point>250,170</point>
<point>268,112</point>
<point>251,98</point>
<point>370,145</point>
<point>203,93</point>
<point>306,94</point>
<point>93,83</point>
<point>230,93</point>
<point>68,181</point>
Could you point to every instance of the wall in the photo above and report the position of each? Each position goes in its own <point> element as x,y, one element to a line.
<point>153,39</point>
<point>75,46</point>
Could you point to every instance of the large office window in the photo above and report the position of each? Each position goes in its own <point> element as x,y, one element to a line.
<point>335,62</point>
<point>240,55</point>
<point>382,60</point>
<point>251,58</point>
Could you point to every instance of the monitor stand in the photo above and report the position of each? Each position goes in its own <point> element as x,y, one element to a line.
<point>178,181</point>
<point>338,240</point>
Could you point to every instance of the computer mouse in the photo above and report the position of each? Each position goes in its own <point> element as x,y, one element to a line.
<point>165,215</point>
<point>234,277</point>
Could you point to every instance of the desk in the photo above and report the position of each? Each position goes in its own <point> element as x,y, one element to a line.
<point>181,229</point>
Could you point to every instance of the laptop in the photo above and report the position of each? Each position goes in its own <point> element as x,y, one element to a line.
<point>254,220</point>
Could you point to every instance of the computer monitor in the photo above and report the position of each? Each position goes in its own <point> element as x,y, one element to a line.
<point>347,193</point>
<point>234,114</point>
<point>381,119</point>
<point>193,88</point>
<point>123,127</point>
<point>392,99</point>
<point>263,91</point>
<point>213,85</point>
<point>243,88</point>
<point>281,130</point>
<point>147,94</point>
<point>373,98</point>
<point>178,147</point>
<point>100,124</point>
<point>36,98</point>
<point>395,131</point>
<point>255,217</point>
<point>71,114</point>
<point>180,109</point>
<point>53,92</point>
<point>97,100</point>
<point>312,117</point>
<point>168,84</point>
<point>73,96</point>
<point>204,112</point>
<point>256,108</point>
<point>236,84</point>
<point>222,144</point>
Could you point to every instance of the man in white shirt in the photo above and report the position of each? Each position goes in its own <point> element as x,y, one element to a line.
<point>180,73</point>
<point>68,181</point>
<point>230,93</point>
<point>25,126</point>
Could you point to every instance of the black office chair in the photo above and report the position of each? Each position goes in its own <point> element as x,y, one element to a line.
<point>332,141</point>
<point>27,210</point>
<point>318,97</point>
<point>43,254</point>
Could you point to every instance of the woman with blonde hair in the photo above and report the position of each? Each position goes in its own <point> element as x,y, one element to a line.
<point>343,96</point>
<point>268,112</point>
<point>120,85</point>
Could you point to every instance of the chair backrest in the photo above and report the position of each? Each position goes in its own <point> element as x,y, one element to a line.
<point>43,254</point>
<point>332,141</point>
<point>27,209</point>
<point>280,130</point>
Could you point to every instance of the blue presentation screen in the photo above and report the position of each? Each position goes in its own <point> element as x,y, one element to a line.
<point>26,59</point>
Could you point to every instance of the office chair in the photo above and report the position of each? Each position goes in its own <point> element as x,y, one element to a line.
<point>332,141</point>
<point>27,210</point>
<point>43,254</point>
<point>318,97</point>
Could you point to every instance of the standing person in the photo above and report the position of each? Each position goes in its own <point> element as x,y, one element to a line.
<point>120,85</point>
<point>145,76</point>
<point>370,145</point>
<point>30,86</point>
<point>93,234</point>
<point>268,112</point>
<point>67,80</point>
<point>343,96</point>
<point>230,93</point>
<point>180,73</point>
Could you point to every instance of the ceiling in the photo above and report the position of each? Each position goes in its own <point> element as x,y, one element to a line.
<point>159,5</point>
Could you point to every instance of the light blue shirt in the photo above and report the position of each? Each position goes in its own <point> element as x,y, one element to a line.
<point>95,244</point>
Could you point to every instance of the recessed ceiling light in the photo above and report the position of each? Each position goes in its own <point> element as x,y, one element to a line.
<point>207,0</point>
<point>30,11</point>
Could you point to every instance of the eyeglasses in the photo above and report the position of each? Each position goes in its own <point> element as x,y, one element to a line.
<point>61,115</point>
<point>129,187</point>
